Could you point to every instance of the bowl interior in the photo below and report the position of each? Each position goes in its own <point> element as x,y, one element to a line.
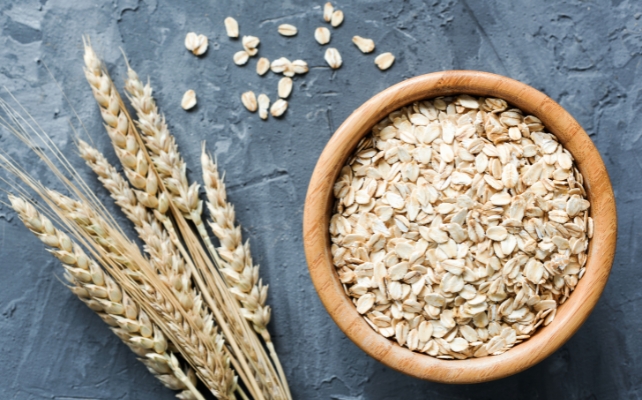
<point>569,316</point>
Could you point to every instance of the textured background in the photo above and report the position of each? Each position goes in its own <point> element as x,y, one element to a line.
<point>584,54</point>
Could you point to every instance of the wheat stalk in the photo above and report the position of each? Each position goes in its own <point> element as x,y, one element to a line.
<point>119,128</point>
<point>165,155</point>
<point>106,298</point>
<point>164,255</point>
<point>171,168</point>
<point>207,356</point>
<point>124,266</point>
<point>238,269</point>
<point>124,132</point>
<point>243,342</point>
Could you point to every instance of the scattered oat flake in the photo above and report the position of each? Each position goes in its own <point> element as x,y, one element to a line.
<point>384,61</point>
<point>299,67</point>
<point>365,45</point>
<point>287,30</point>
<point>231,27</point>
<point>333,58</point>
<point>262,66</point>
<point>322,35</point>
<point>249,101</point>
<point>189,100</point>
<point>264,105</point>
<point>250,44</point>
<point>280,65</point>
<point>328,9</point>
<point>278,108</point>
<point>241,57</point>
<point>337,18</point>
<point>285,87</point>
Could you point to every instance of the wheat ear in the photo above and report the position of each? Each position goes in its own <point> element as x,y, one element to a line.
<point>239,270</point>
<point>165,155</point>
<point>111,107</point>
<point>105,297</point>
<point>169,164</point>
<point>118,127</point>
<point>164,255</point>
<point>207,356</point>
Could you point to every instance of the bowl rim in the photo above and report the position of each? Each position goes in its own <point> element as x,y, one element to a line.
<point>570,315</point>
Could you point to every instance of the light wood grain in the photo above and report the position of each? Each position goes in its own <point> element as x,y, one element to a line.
<point>570,315</point>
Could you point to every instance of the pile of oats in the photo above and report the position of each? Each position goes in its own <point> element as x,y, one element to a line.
<point>459,227</point>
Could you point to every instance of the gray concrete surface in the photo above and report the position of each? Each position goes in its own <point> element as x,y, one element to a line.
<point>584,54</point>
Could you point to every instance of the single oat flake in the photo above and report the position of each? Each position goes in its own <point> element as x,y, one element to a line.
<point>281,65</point>
<point>459,227</point>
<point>384,61</point>
<point>337,18</point>
<point>285,87</point>
<point>322,35</point>
<point>333,58</point>
<point>231,27</point>
<point>249,101</point>
<point>278,108</point>
<point>328,9</point>
<point>263,66</point>
<point>241,57</point>
<point>189,100</point>
<point>299,67</point>
<point>287,30</point>
<point>264,105</point>
<point>365,45</point>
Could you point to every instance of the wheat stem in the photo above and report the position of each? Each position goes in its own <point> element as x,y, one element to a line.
<point>171,169</point>
<point>105,297</point>
<point>194,342</point>
<point>121,131</point>
<point>143,176</point>
<point>238,269</point>
<point>164,153</point>
<point>161,248</point>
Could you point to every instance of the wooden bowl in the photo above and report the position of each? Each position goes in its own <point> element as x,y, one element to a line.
<point>320,199</point>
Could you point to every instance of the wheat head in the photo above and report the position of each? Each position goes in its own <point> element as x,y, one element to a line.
<point>206,355</point>
<point>105,297</point>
